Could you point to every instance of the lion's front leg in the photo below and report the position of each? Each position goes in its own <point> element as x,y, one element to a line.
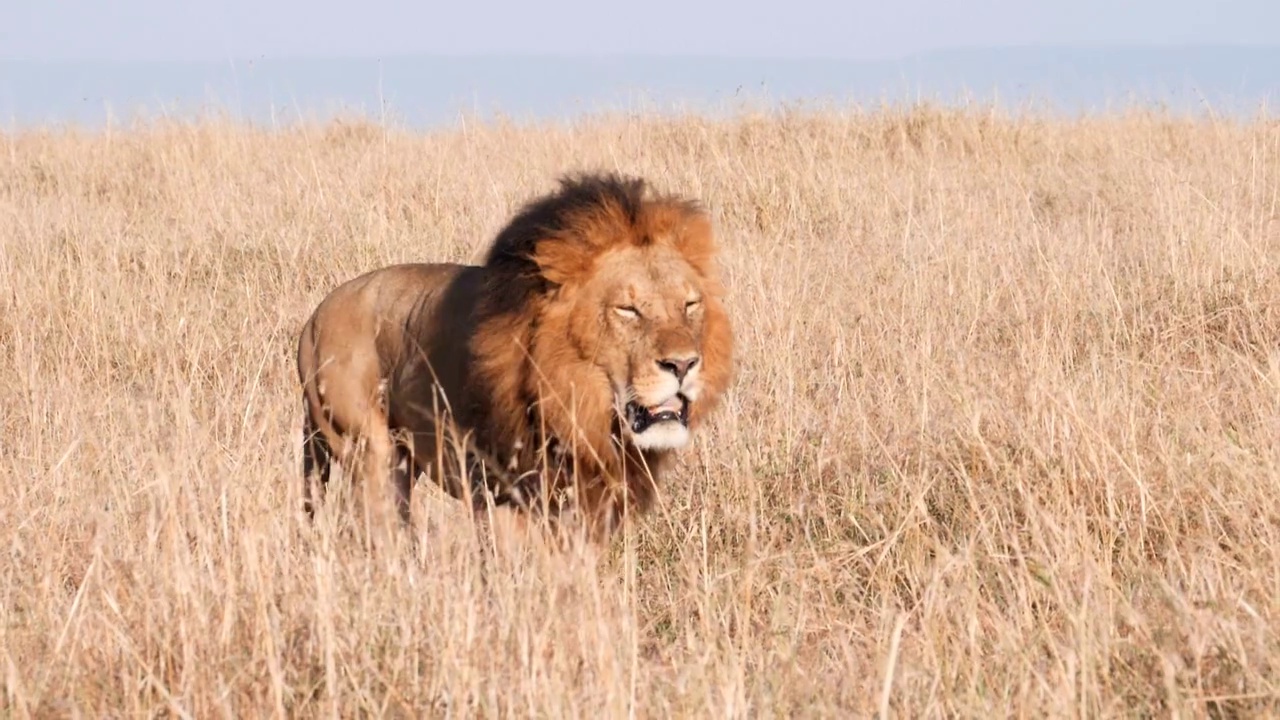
<point>402,475</point>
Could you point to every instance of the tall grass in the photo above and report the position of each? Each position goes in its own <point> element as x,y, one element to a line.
<point>1004,439</point>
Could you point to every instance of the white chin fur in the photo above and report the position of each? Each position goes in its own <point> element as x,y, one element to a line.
<point>662,436</point>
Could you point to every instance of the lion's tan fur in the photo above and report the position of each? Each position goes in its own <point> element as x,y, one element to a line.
<point>517,359</point>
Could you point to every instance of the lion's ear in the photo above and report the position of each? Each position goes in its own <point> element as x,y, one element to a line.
<point>697,243</point>
<point>561,262</point>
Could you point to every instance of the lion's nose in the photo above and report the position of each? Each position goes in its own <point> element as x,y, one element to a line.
<point>678,366</point>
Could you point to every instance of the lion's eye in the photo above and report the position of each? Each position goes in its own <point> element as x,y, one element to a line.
<point>627,311</point>
<point>692,305</point>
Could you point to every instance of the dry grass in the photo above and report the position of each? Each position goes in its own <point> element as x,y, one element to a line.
<point>1005,437</point>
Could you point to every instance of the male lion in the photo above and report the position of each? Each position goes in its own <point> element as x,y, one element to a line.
<point>560,374</point>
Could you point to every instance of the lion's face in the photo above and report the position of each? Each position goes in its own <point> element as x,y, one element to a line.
<point>629,331</point>
<point>648,308</point>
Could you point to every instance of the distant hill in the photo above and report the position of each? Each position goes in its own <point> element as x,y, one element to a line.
<point>425,91</point>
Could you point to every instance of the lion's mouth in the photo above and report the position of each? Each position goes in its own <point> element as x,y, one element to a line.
<point>642,417</point>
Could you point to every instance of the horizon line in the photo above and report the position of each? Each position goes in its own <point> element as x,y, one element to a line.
<point>598,55</point>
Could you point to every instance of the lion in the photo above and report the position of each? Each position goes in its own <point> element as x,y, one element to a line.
<point>562,374</point>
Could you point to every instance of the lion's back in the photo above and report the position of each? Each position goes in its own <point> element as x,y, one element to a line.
<point>365,317</point>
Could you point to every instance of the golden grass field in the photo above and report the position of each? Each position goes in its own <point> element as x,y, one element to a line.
<point>1004,438</point>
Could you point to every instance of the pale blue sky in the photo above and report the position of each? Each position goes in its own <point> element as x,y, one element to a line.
<point>220,29</point>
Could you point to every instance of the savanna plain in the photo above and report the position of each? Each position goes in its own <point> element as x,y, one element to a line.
<point>1004,438</point>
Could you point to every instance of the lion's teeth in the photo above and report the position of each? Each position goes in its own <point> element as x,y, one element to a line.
<point>672,404</point>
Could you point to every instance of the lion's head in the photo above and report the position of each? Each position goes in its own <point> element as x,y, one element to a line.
<point>608,299</point>
<point>646,309</point>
